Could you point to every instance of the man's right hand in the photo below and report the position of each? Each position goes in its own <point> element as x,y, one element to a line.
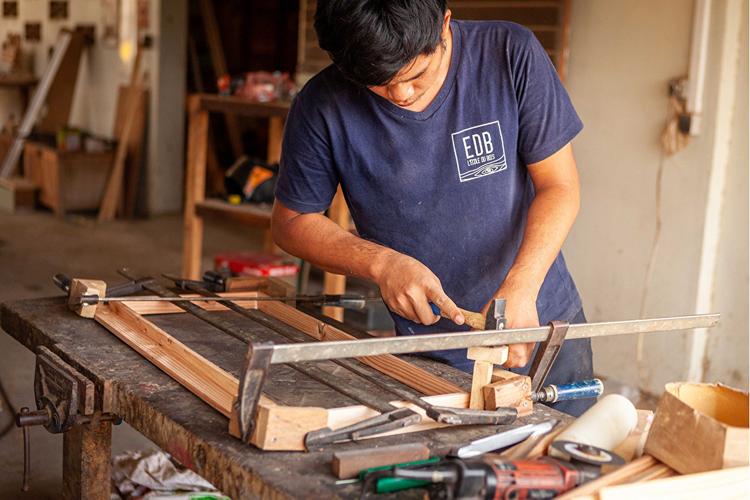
<point>408,286</point>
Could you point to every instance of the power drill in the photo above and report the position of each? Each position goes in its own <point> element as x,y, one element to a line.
<point>490,479</point>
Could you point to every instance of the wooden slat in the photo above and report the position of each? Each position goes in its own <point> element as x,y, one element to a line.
<point>195,187</point>
<point>158,307</point>
<point>335,284</point>
<point>113,189</point>
<point>619,476</point>
<point>240,106</point>
<point>249,214</point>
<point>724,484</point>
<point>213,385</point>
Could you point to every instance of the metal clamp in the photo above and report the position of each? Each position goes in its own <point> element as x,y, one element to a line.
<point>547,353</point>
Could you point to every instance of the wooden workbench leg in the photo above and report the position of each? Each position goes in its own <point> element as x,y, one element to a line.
<point>275,137</point>
<point>195,188</point>
<point>336,283</point>
<point>87,453</point>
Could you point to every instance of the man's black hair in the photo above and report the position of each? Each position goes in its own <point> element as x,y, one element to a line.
<point>371,40</point>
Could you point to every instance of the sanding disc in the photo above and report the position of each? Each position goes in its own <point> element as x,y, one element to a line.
<point>587,454</point>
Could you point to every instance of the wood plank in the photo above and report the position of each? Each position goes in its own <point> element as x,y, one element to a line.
<point>725,484</point>
<point>284,427</point>
<point>482,376</point>
<point>619,476</point>
<point>155,307</point>
<point>212,384</point>
<point>195,188</point>
<point>514,392</point>
<point>392,366</point>
<point>239,106</point>
<point>59,98</point>
<point>347,464</point>
<point>334,284</point>
<point>258,216</point>
<point>138,96</point>
<point>113,189</point>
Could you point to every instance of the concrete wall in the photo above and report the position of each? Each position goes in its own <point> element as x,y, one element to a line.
<point>103,70</point>
<point>727,358</point>
<point>622,56</point>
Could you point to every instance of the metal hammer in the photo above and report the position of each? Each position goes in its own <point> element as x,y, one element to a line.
<point>494,320</point>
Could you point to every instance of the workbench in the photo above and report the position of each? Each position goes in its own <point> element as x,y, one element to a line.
<point>186,427</point>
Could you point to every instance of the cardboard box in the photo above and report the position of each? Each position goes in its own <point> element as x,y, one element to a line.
<point>700,427</point>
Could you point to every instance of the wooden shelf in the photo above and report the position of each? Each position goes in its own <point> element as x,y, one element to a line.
<point>253,215</point>
<point>214,103</point>
<point>18,80</point>
<point>197,207</point>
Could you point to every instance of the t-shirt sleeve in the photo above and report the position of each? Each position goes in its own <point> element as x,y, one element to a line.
<point>307,177</point>
<point>547,120</point>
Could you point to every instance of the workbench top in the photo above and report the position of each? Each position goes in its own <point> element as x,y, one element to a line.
<point>191,431</point>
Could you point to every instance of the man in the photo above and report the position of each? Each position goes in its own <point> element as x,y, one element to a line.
<point>450,140</point>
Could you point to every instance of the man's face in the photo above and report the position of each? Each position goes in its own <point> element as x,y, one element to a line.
<point>414,80</point>
<point>420,78</point>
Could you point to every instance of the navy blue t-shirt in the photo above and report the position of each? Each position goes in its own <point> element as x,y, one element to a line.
<point>448,185</point>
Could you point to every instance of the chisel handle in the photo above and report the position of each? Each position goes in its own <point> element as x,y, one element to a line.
<point>582,389</point>
<point>473,319</point>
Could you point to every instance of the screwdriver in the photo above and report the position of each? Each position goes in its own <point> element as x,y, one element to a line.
<point>391,484</point>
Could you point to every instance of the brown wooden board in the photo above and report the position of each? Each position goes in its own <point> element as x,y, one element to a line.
<point>60,95</point>
<point>134,156</point>
<point>186,427</point>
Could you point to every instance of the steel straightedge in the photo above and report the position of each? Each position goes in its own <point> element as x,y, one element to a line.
<point>315,351</point>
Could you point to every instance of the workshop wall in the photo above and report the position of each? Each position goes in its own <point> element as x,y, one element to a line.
<point>726,355</point>
<point>100,71</point>
<point>104,67</point>
<point>622,56</point>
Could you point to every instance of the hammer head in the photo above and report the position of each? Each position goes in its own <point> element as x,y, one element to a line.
<point>495,319</point>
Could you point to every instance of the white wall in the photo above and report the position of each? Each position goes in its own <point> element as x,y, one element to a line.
<point>622,56</point>
<point>102,71</point>
<point>727,358</point>
<point>99,73</point>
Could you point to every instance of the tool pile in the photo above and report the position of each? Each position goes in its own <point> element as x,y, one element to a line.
<point>607,453</point>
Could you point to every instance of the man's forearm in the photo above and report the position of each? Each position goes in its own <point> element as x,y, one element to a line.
<point>406,285</point>
<point>320,241</point>
<point>550,217</point>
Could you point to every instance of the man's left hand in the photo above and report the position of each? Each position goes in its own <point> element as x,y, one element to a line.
<point>520,312</point>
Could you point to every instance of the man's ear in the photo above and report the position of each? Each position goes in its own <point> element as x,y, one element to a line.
<point>446,23</point>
